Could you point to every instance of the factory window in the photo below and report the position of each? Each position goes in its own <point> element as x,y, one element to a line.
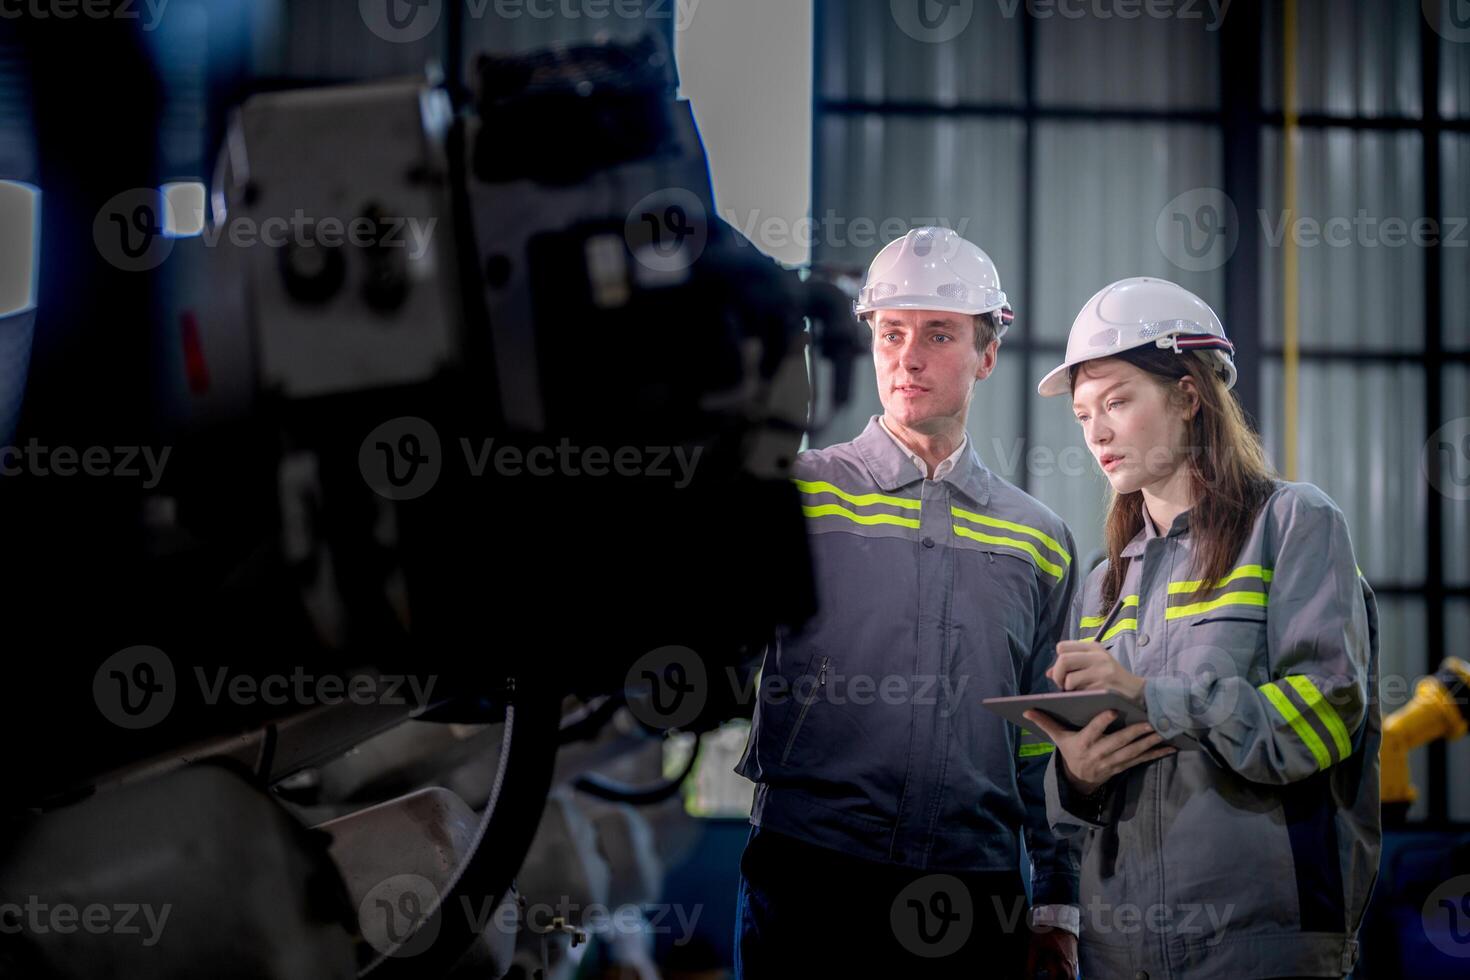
<point>1344,288</point>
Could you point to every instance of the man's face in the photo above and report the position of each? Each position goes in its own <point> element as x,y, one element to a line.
<point>927,366</point>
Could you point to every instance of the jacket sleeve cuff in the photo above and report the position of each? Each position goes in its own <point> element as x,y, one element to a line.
<point>1054,887</point>
<point>1167,700</point>
<point>1068,917</point>
<point>1068,810</point>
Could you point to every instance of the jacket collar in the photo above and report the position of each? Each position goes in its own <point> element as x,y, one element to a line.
<point>892,469</point>
<point>1140,540</point>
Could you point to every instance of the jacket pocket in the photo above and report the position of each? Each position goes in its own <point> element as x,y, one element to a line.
<point>1010,597</point>
<point>822,661</point>
<point>1231,616</point>
<point>1239,630</point>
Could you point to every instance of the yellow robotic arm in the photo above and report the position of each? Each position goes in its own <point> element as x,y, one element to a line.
<point>1440,708</point>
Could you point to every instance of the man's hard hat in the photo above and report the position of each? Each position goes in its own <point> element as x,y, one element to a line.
<point>934,269</point>
<point>1133,312</point>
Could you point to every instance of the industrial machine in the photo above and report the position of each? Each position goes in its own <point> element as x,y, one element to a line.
<point>478,424</point>
<point>1440,709</point>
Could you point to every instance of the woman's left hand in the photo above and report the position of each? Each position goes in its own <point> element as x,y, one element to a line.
<point>1083,665</point>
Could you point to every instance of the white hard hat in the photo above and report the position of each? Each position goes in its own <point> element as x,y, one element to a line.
<point>1133,312</point>
<point>934,269</point>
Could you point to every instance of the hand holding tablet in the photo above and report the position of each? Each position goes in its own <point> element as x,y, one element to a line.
<point>1076,709</point>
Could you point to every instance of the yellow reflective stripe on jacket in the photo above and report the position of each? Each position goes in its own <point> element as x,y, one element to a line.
<point>1313,699</point>
<point>1029,749</point>
<point>1051,568</point>
<point>860,499</point>
<point>1244,571</point>
<point>1032,532</point>
<point>1228,599</point>
<point>1092,622</point>
<point>1114,630</point>
<point>1298,724</point>
<point>837,510</point>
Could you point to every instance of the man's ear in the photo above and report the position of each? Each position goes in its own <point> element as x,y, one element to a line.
<point>988,357</point>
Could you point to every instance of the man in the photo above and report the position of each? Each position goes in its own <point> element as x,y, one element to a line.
<point>890,804</point>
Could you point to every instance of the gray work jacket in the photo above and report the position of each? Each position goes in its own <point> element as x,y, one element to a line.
<point>869,736</point>
<point>1254,853</point>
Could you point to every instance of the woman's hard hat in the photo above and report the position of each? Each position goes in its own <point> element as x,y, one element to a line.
<point>1134,312</point>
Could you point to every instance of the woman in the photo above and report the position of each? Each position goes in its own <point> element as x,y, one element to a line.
<point>1236,833</point>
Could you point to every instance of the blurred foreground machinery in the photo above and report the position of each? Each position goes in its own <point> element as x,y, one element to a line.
<point>499,419</point>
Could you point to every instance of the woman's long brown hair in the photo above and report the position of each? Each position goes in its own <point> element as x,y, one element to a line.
<point>1229,473</point>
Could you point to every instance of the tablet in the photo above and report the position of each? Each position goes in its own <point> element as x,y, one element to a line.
<point>1075,709</point>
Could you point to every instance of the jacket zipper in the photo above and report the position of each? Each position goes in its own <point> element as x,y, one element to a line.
<point>800,718</point>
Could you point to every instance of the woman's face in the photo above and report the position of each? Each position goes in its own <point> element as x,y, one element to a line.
<point>1133,429</point>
